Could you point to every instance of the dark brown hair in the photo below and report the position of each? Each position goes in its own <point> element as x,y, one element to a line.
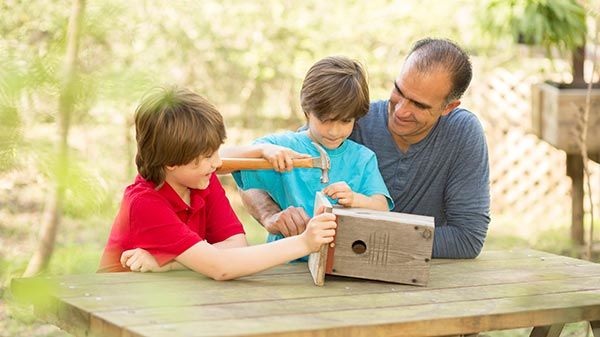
<point>444,54</point>
<point>173,127</point>
<point>335,88</point>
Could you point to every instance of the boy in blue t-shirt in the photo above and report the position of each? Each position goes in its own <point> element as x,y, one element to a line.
<point>334,95</point>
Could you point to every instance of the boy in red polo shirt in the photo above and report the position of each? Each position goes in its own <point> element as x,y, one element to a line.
<point>176,215</point>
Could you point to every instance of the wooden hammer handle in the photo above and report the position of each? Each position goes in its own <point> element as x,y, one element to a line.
<point>238,164</point>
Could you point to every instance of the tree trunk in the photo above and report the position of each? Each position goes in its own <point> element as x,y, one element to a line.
<point>66,101</point>
<point>47,234</point>
<point>578,56</point>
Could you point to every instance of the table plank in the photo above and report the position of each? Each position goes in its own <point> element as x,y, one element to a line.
<point>289,286</point>
<point>367,301</point>
<point>444,274</point>
<point>458,297</point>
<point>291,268</point>
<point>421,320</point>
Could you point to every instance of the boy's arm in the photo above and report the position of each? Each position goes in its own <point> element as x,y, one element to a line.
<point>348,198</point>
<point>279,156</point>
<point>244,151</point>
<point>229,263</point>
<point>235,241</point>
<point>141,260</point>
<point>376,202</point>
<point>226,264</point>
<point>288,222</point>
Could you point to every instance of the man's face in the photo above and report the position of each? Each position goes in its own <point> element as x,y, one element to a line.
<point>417,102</point>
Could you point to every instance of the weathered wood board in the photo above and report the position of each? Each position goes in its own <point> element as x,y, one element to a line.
<point>375,245</point>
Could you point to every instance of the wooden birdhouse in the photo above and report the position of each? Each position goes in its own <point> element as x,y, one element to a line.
<point>375,245</point>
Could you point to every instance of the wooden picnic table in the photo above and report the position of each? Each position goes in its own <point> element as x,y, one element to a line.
<point>498,290</point>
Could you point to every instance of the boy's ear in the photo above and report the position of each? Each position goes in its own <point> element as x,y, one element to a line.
<point>170,168</point>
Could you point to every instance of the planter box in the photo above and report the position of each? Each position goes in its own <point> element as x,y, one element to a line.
<point>555,114</point>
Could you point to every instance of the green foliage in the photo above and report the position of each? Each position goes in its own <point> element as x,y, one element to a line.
<point>9,135</point>
<point>247,57</point>
<point>75,259</point>
<point>86,193</point>
<point>559,24</point>
<point>11,82</point>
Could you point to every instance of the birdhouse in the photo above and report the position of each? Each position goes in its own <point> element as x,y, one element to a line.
<point>385,246</point>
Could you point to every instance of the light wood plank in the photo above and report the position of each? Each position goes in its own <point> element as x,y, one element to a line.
<point>71,285</point>
<point>422,320</point>
<point>350,288</point>
<point>317,261</point>
<point>334,303</point>
<point>290,292</point>
<point>296,287</point>
<point>446,275</point>
<point>127,297</point>
<point>483,261</point>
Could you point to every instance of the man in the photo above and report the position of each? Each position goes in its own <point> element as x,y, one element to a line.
<point>431,153</point>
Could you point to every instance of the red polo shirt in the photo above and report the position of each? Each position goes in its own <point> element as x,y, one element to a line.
<point>160,222</point>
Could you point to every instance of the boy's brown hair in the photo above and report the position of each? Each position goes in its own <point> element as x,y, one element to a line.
<point>335,88</point>
<point>173,127</point>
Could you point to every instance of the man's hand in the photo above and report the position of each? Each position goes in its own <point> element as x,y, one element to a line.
<point>280,157</point>
<point>342,192</point>
<point>289,222</point>
<point>140,260</point>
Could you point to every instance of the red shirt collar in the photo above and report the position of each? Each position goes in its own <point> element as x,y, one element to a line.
<point>196,196</point>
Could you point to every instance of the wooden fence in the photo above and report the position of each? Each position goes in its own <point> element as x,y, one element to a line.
<point>529,186</point>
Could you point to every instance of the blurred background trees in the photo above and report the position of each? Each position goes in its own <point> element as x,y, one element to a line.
<point>247,57</point>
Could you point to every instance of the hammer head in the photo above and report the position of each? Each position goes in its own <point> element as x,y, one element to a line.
<point>322,162</point>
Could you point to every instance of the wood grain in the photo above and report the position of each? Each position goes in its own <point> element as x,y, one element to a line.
<point>500,290</point>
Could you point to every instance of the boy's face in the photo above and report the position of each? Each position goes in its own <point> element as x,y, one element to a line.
<point>330,134</point>
<point>195,174</point>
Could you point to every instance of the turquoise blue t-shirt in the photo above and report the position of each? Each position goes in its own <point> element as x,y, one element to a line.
<point>350,162</point>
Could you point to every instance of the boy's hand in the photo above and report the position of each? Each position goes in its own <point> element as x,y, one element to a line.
<point>320,230</point>
<point>280,157</point>
<point>139,260</point>
<point>340,191</point>
<point>289,222</point>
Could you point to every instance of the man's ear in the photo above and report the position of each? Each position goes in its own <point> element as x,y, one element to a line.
<point>450,106</point>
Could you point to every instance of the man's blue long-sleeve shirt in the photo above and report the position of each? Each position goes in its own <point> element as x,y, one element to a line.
<point>445,175</point>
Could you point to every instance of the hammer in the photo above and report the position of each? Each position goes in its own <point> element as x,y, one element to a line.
<point>238,164</point>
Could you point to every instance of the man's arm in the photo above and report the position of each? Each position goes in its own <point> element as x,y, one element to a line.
<point>289,222</point>
<point>466,198</point>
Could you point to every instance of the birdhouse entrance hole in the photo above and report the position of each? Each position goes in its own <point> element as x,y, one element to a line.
<point>359,247</point>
